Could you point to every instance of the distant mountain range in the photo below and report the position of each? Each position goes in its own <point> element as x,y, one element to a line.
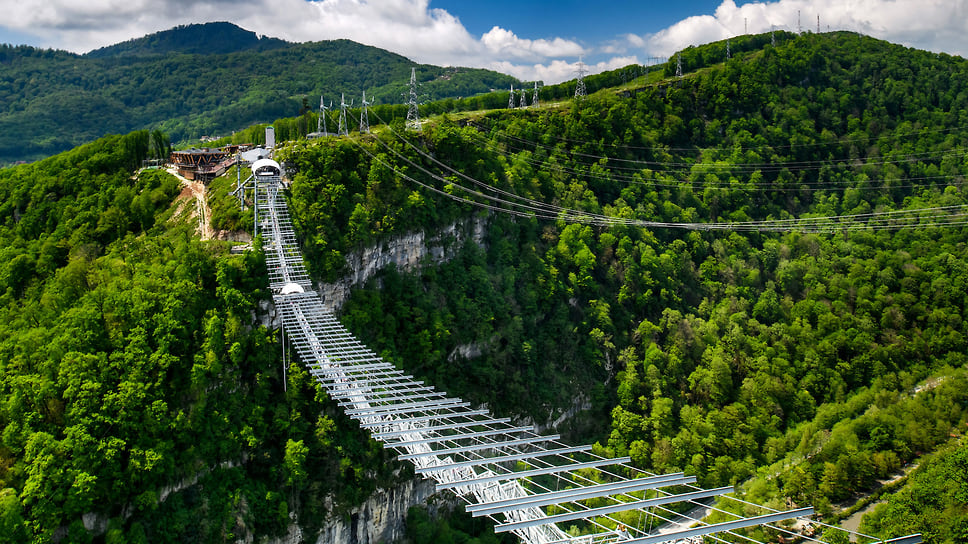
<point>195,80</point>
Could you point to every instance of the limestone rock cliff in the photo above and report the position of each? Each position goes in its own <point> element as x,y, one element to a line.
<point>408,252</point>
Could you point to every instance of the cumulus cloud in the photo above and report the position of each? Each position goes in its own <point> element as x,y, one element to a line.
<point>409,27</point>
<point>430,35</point>
<point>506,43</point>
<point>936,25</point>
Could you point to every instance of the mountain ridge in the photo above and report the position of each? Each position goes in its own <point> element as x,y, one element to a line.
<point>51,101</point>
<point>219,37</point>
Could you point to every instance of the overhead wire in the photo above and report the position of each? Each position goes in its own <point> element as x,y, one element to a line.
<point>688,168</point>
<point>891,220</point>
<point>793,185</point>
<point>920,133</point>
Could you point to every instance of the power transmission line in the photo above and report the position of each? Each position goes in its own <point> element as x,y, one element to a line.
<point>321,122</point>
<point>364,117</point>
<point>580,88</point>
<point>413,116</point>
<point>949,216</point>
<point>343,129</point>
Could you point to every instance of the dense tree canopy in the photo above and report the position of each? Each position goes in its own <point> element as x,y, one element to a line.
<point>135,385</point>
<point>711,350</point>
<point>190,84</point>
<point>808,365</point>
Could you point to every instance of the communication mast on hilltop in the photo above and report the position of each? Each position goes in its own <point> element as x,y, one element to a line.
<point>413,116</point>
<point>364,117</point>
<point>580,88</point>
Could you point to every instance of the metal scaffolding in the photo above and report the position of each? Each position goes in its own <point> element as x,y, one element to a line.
<point>526,482</point>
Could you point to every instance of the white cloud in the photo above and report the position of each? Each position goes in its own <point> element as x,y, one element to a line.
<point>506,43</point>
<point>409,27</point>
<point>935,25</point>
<point>425,34</point>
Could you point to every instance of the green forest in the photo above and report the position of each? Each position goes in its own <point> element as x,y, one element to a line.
<point>199,80</point>
<point>135,383</point>
<point>804,368</point>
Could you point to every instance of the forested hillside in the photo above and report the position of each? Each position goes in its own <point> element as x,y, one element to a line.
<point>135,387</point>
<point>803,366</point>
<point>724,354</point>
<point>190,85</point>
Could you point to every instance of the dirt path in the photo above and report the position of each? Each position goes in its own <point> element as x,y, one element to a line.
<point>196,189</point>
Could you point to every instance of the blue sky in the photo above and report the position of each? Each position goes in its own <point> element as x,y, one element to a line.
<point>589,21</point>
<point>530,39</point>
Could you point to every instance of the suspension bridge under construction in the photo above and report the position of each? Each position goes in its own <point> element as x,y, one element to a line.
<point>535,486</point>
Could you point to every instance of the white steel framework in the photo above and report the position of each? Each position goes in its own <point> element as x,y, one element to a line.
<point>506,472</point>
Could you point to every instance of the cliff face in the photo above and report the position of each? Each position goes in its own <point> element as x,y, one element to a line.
<point>382,517</point>
<point>408,252</point>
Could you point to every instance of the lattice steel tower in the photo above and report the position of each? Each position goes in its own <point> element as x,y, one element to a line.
<point>679,65</point>
<point>534,100</point>
<point>343,130</point>
<point>413,116</point>
<point>321,122</point>
<point>364,117</point>
<point>580,88</point>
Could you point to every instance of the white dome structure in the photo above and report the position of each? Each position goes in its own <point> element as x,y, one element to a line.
<point>266,167</point>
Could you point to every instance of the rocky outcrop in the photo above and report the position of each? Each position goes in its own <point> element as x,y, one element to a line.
<point>409,252</point>
<point>381,519</point>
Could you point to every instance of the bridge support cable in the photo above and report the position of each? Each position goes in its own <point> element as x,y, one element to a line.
<point>506,472</point>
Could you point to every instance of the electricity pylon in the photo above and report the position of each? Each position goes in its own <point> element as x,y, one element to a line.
<point>364,117</point>
<point>343,130</point>
<point>321,122</point>
<point>580,88</point>
<point>413,116</point>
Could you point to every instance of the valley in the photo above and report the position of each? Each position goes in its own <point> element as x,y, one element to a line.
<point>777,360</point>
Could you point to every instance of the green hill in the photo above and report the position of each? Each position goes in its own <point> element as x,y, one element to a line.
<point>801,366</point>
<point>199,39</point>
<point>195,81</point>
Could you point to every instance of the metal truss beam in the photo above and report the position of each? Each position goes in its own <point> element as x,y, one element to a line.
<point>434,394</point>
<point>320,370</point>
<point>450,426</point>
<point>530,473</point>
<point>408,387</point>
<point>371,424</point>
<point>910,539</point>
<point>358,376</point>
<point>480,446</point>
<point>725,526</point>
<point>456,437</point>
<point>504,458</point>
<point>621,507</point>
<point>580,493</point>
<point>407,407</point>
